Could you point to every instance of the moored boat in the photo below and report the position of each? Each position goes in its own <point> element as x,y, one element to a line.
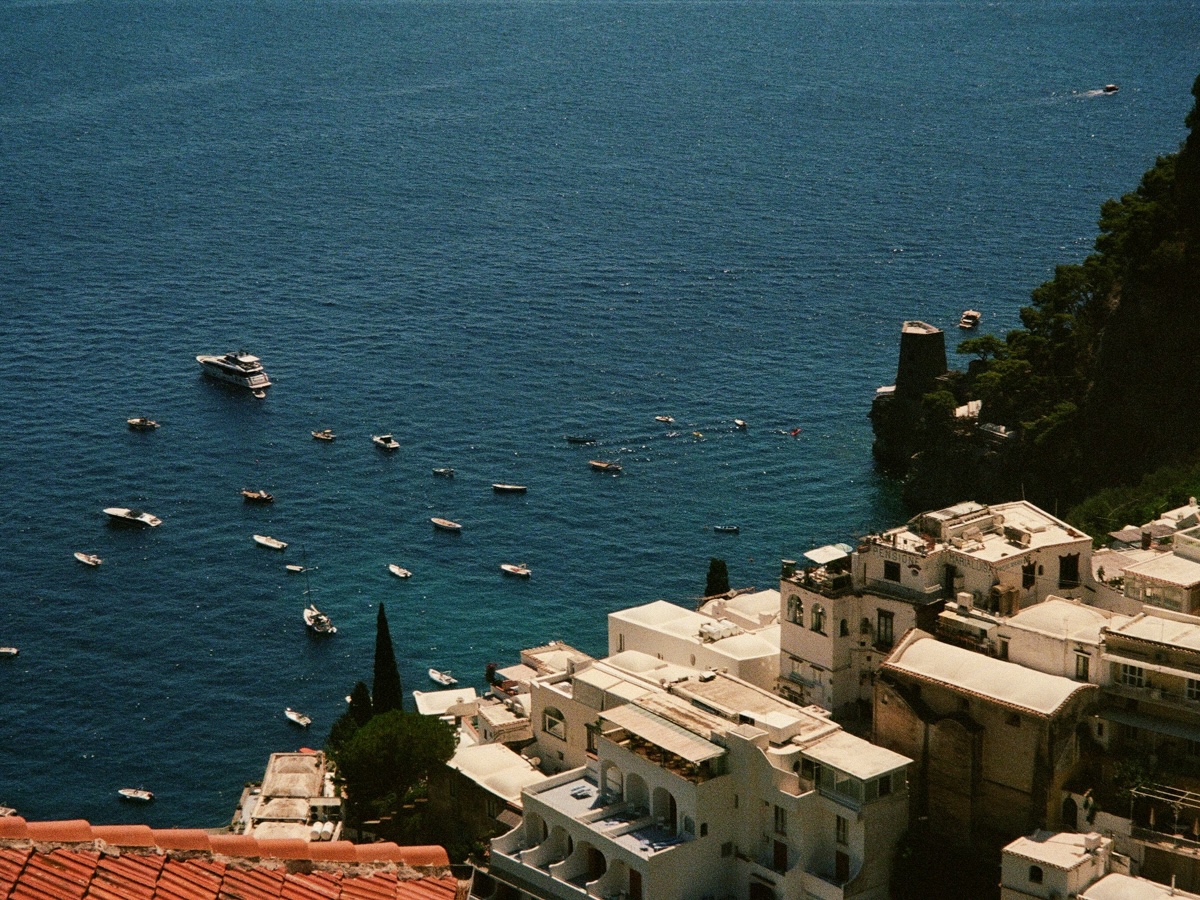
<point>509,488</point>
<point>296,567</point>
<point>324,434</point>
<point>444,472</point>
<point>399,571</point>
<point>666,420</point>
<point>739,423</point>
<point>517,570</point>
<point>141,423</point>
<point>137,795</point>
<point>88,559</point>
<point>970,318</point>
<point>265,540</point>
<point>240,369</point>
<point>601,465</point>
<point>298,717</point>
<point>317,622</point>
<point>727,529</point>
<point>9,651</point>
<point>446,525</point>
<point>580,439</point>
<point>442,677</point>
<point>132,516</point>
<point>385,442</point>
<point>252,496</point>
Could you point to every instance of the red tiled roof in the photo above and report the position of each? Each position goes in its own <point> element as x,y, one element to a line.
<point>134,862</point>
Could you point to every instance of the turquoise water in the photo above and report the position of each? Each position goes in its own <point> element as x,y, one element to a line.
<point>481,226</point>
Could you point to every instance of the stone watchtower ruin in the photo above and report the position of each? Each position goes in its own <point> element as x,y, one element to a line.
<point>922,362</point>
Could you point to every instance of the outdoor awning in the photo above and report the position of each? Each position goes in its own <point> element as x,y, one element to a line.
<point>662,733</point>
<point>822,556</point>
<point>1152,723</point>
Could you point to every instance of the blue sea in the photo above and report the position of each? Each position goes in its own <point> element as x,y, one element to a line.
<point>481,225</point>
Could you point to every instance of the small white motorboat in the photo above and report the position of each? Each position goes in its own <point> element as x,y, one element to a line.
<point>444,472</point>
<point>88,559</point>
<point>324,434</point>
<point>739,423</point>
<point>600,465</point>
<point>250,495</point>
<point>265,540</point>
<point>399,571</point>
<point>9,651</point>
<point>385,442</point>
<point>509,488</point>
<point>1111,88</point>
<point>132,516</point>
<point>970,318</point>
<point>298,717</point>
<point>517,570</point>
<point>442,677</point>
<point>727,529</point>
<point>446,525</point>
<point>137,795</point>
<point>296,567</point>
<point>666,420</point>
<point>141,423</point>
<point>317,622</point>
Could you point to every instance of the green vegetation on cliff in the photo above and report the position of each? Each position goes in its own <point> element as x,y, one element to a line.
<point>1101,387</point>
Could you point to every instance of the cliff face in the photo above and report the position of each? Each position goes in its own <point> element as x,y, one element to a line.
<point>1101,384</point>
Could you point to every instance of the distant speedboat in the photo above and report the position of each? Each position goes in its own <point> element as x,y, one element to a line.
<point>739,423</point>
<point>399,571</point>
<point>9,651</point>
<point>1111,88</point>
<point>727,529</point>
<point>446,525</point>
<point>444,472</point>
<point>444,678</point>
<point>324,434</point>
<point>252,496</point>
<point>317,622</point>
<point>296,567</point>
<point>509,488</point>
<point>141,423</point>
<point>666,420</point>
<point>516,570</point>
<point>298,717</point>
<point>89,559</point>
<point>132,516</point>
<point>601,465</point>
<point>970,318</point>
<point>385,442</point>
<point>265,540</point>
<point>240,369</point>
<point>137,795</point>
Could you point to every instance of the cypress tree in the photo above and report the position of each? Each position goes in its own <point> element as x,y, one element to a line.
<point>718,577</point>
<point>360,704</point>
<point>386,691</point>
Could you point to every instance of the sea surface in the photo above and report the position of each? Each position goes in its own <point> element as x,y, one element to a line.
<point>481,226</point>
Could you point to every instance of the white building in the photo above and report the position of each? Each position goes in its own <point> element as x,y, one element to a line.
<point>1055,865</point>
<point>678,635</point>
<point>703,785</point>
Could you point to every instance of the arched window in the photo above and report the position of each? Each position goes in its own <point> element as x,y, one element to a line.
<point>554,723</point>
<point>818,618</point>
<point>844,629</point>
<point>1035,874</point>
<point>796,610</point>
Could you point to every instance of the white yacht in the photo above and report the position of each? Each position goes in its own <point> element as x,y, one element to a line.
<point>238,368</point>
<point>134,516</point>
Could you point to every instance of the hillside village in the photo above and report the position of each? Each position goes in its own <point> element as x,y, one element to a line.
<point>978,679</point>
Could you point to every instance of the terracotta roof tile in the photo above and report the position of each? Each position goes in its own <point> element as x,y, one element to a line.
<point>134,862</point>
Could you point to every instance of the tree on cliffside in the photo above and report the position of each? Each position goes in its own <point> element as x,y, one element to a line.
<point>387,693</point>
<point>718,578</point>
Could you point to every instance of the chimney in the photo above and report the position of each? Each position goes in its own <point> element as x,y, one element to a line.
<point>964,599</point>
<point>788,568</point>
<point>1145,538</point>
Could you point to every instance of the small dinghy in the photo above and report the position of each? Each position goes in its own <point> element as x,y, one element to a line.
<point>88,559</point>
<point>444,678</point>
<point>265,540</point>
<point>137,795</point>
<point>399,571</point>
<point>517,570</point>
<point>298,717</point>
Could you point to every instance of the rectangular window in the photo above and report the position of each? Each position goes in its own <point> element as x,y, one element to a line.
<point>780,820</point>
<point>885,785</point>
<point>727,848</point>
<point>1133,676</point>
<point>1068,571</point>
<point>1003,652</point>
<point>1192,689</point>
<point>891,570</point>
<point>1028,575</point>
<point>1081,667</point>
<point>843,830</point>
<point>883,628</point>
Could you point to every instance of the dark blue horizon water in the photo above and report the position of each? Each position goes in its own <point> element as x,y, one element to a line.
<point>481,226</point>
